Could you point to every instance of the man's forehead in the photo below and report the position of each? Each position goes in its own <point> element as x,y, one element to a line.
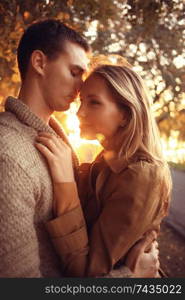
<point>77,55</point>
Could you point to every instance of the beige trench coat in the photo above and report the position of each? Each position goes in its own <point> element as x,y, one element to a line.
<point>120,202</point>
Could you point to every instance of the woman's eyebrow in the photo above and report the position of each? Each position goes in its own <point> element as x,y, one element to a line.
<point>92,95</point>
<point>88,96</point>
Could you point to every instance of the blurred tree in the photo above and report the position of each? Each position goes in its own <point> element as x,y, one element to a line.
<point>149,33</point>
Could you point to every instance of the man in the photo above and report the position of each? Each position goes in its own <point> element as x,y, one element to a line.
<point>51,59</point>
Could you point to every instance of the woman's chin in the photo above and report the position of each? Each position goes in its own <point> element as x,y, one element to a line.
<point>87,136</point>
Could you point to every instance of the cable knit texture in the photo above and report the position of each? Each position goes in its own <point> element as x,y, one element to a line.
<point>26,196</point>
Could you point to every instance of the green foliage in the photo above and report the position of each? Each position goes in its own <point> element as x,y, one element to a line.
<point>180,167</point>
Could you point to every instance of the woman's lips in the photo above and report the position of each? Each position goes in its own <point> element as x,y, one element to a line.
<point>69,99</point>
<point>85,125</point>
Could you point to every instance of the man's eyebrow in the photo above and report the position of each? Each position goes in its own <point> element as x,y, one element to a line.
<point>79,67</point>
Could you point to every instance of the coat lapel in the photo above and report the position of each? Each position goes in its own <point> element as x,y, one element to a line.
<point>100,183</point>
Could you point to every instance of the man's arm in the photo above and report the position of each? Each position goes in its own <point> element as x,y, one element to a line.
<point>19,253</point>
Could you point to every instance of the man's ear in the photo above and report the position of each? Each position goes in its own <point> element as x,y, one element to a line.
<point>38,61</point>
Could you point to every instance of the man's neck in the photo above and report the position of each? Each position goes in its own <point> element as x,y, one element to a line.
<point>34,100</point>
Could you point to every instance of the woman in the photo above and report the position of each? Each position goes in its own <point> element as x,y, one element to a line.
<point>125,191</point>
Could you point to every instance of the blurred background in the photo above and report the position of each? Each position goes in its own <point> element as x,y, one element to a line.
<point>150,34</point>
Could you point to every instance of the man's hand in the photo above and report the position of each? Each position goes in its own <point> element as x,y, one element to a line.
<point>141,261</point>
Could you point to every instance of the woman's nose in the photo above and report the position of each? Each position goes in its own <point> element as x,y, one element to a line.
<point>81,113</point>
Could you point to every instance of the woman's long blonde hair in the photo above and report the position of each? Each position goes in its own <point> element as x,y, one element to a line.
<point>141,132</point>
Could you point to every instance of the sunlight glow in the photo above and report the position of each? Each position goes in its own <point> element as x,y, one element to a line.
<point>174,150</point>
<point>86,150</point>
<point>91,33</point>
<point>179,61</point>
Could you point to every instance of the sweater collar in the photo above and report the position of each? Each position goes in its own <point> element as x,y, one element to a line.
<point>26,116</point>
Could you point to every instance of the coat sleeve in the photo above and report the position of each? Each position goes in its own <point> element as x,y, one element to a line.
<point>19,251</point>
<point>129,209</point>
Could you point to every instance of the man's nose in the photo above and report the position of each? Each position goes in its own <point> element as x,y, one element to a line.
<point>79,84</point>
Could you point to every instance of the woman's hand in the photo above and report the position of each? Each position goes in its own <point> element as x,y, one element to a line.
<point>59,159</point>
<point>58,156</point>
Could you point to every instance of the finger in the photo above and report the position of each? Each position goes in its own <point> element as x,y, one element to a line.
<point>56,126</point>
<point>156,244</point>
<point>56,139</point>
<point>158,265</point>
<point>145,243</point>
<point>157,251</point>
<point>47,142</point>
<point>157,275</point>
<point>47,134</point>
<point>154,251</point>
<point>151,235</point>
<point>148,239</point>
<point>44,150</point>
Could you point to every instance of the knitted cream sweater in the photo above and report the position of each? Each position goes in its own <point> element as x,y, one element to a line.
<point>25,196</point>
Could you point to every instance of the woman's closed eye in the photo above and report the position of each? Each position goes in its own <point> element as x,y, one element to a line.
<point>94,102</point>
